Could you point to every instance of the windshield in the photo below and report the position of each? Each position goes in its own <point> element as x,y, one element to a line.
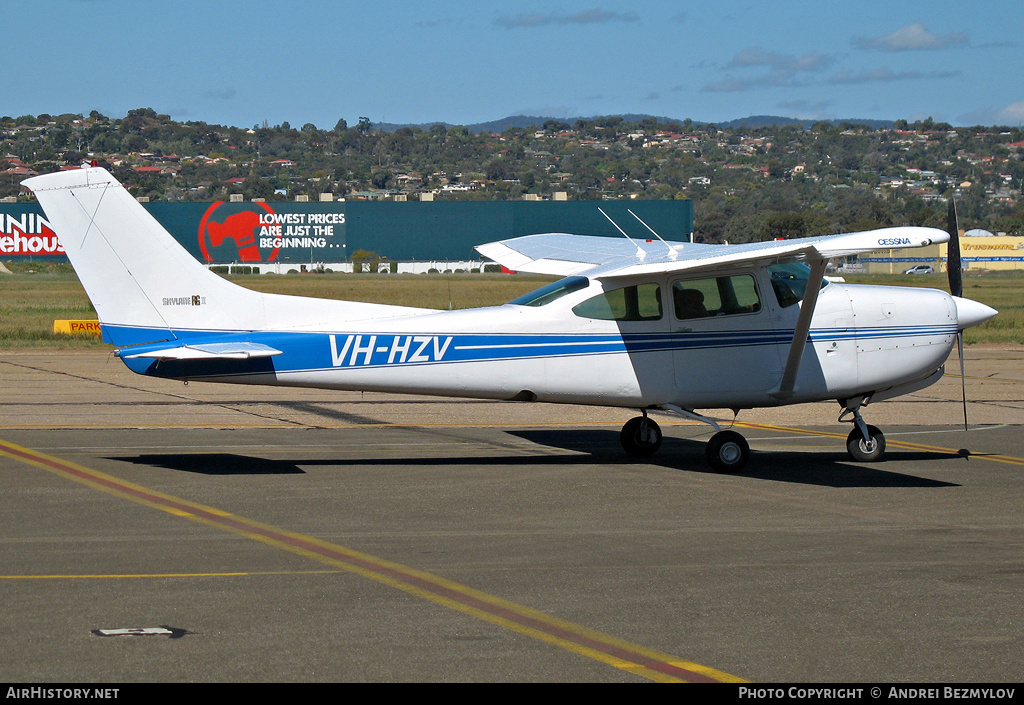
<point>554,290</point>
<point>789,280</point>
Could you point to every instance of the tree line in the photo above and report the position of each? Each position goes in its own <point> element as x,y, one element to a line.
<point>746,183</point>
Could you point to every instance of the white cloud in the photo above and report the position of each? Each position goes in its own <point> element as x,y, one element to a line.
<point>730,85</point>
<point>756,56</point>
<point>885,74</point>
<point>220,94</point>
<point>541,19</point>
<point>913,37</point>
<point>807,110</point>
<point>783,69</point>
<point>555,111</point>
<point>981,116</point>
<point>1012,114</point>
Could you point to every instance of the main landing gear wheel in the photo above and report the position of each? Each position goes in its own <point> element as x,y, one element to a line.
<point>865,451</point>
<point>727,451</point>
<point>640,437</point>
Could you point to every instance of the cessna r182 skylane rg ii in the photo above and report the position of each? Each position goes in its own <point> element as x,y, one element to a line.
<point>647,325</point>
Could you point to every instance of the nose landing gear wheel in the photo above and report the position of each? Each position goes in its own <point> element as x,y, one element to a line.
<point>866,451</point>
<point>640,437</point>
<point>727,451</point>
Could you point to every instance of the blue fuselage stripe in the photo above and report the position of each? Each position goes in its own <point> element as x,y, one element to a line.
<point>318,351</point>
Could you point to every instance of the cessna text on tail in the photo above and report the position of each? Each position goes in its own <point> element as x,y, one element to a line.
<point>648,325</point>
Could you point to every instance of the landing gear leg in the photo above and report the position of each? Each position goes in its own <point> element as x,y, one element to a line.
<point>641,436</point>
<point>865,444</point>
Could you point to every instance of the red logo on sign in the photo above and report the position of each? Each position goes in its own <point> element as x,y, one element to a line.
<point>239,222</point>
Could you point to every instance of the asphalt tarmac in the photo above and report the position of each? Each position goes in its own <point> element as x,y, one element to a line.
<point>251,534</point>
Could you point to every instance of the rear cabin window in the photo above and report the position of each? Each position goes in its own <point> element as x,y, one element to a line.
<point>630,303</point>
<point>718,296</point>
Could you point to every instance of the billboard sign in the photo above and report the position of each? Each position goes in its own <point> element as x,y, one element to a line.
<point>221,232</point>
<point>287,232</point>
<point>25,232</point>
<point>262,232</point>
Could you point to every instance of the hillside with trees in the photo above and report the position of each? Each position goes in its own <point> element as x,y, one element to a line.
<point>746,182</point>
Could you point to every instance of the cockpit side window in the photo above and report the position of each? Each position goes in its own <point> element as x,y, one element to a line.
<point>718,296</point>
<point>552,292</point>
<point>629,303</point>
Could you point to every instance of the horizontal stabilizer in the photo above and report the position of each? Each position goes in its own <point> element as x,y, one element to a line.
<point>209,351</point>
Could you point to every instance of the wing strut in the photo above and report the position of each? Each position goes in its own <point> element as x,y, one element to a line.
<point>803,328</point>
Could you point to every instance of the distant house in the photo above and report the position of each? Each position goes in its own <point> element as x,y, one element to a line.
<point>19,171</point>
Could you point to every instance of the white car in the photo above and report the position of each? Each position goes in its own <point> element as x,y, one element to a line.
<point>920,269</point>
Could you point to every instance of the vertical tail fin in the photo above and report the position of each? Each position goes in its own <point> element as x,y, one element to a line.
<point>144,285</point>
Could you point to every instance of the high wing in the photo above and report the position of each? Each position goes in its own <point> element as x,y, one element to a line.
<point>604,258</point>
<point>610,258</point>
<point>564,255</point>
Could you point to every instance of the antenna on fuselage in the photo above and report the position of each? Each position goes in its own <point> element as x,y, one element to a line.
<point>639,250</point>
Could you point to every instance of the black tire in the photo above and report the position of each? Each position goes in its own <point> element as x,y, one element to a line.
<point>866,451</point>
<point>727,451</point>
<point>640,437</point>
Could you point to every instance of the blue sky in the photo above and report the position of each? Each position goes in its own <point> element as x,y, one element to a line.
<point>240,63</point>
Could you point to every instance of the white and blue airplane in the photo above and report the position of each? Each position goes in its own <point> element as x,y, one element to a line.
<point>652,325</point>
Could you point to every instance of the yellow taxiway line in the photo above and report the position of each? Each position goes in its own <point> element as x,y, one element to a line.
<point>633,658</point>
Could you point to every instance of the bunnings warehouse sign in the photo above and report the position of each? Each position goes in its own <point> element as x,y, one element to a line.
<point>326,232</point>
<point>25,232</point>
<point>221,232</point>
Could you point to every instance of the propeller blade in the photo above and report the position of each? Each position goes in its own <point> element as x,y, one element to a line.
<point>963,375</point>
<point>953,266</point>
<point>954,270</point>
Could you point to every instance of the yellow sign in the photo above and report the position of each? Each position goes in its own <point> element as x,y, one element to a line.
<point>77,327</point>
